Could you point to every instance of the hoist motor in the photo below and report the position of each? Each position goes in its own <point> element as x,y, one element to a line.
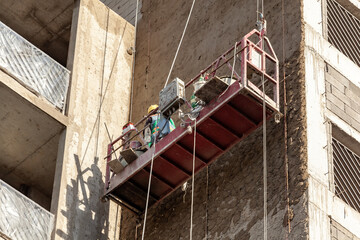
<point>172,97</point>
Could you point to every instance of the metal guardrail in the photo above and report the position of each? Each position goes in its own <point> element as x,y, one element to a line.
<point>346,174</point>
<point>32,67</point>
<point>343,30</point>
<point>21,218</point>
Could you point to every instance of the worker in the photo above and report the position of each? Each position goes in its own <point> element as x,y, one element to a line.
<point>158,124</point>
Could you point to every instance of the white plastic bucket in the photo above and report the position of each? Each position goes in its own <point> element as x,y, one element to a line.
<point>199,84</point>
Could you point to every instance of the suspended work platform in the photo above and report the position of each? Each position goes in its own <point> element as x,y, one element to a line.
<point>224,121</point>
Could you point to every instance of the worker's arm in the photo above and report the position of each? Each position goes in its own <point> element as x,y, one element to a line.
<point>148,121</point>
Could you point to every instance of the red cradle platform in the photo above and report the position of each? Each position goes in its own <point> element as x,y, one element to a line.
<point>222,123</point>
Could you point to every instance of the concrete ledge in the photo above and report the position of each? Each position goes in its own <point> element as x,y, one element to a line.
<point>33,98</point>
<point>315,43</point>
<point>324,204</point>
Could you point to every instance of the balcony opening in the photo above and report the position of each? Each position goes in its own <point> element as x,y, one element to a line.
<point>29,140</point>
<point>34,42</point>
<point>45,24</point>
<point>22,218</point>
<point>346,167</point>
<point>343,30</point>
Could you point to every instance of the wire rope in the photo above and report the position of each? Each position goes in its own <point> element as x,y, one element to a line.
<point>265,225</point>
<point>133,63</point>
<point>286,159</point>
<point>193,183</point>
<point>148,192</point>
<point>181,39</point>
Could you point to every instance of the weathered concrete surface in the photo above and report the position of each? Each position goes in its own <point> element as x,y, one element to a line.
<point>232,206</point>
<point>161,27</point>
<point>29,133</point>
<point>45,23</point>
<point>99,93</point>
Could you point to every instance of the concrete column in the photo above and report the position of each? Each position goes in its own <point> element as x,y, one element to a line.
<point>99,93</point>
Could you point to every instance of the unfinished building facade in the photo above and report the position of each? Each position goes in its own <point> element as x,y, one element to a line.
<point>69,85</point>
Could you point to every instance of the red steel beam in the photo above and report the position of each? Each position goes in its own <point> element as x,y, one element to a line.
<point>190,152</point>
<point>159,178</point>
<point>176,166</point>
<point>224,128</point>
<point>215,145</point>
<point>241,115</point>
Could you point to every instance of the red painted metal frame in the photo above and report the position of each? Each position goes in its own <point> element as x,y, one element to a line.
<point>111,149</point>
<point>219,114</point>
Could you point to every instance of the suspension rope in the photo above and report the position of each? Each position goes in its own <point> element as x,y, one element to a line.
<point>151,170</point>
<point>148,192</point>
<point>257,9</point>
<point>133,63</point>
<point>264,125</point>
<point>207,198</point>
<point>264,159</point>
<point>193,183</point>
<point>182,37</point>
<point>286,159</point>
<point>148,46</point>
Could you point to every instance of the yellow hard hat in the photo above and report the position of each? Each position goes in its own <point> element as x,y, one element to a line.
<point>152,107</point>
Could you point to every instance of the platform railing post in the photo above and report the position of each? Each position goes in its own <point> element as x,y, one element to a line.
<point>244,62</point>
<point>263,66</point>
<point>217,65</point>
<point>107,174</point>
<point>277,94</point>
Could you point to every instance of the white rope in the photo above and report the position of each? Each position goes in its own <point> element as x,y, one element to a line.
<point>148,192</point>
<point>232,71</point>
<point>264,126</point>
<point>207,198</point>
<point>257,9</point>
<point>264,153</point>
<point>182,37</point>
<point>133,64</point>
<point>193,184</point>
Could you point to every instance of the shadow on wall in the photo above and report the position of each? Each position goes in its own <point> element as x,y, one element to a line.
<point>85,208</point>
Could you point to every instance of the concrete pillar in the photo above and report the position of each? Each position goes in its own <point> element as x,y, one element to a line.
<point>99,93</point>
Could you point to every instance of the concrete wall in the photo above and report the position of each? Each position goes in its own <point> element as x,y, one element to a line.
<point>342,97</point>
<point>229,199</point>
<point>324,108</point>
<point>99,93</point>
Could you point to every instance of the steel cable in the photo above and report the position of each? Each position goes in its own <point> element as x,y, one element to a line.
<point>181,39</point>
